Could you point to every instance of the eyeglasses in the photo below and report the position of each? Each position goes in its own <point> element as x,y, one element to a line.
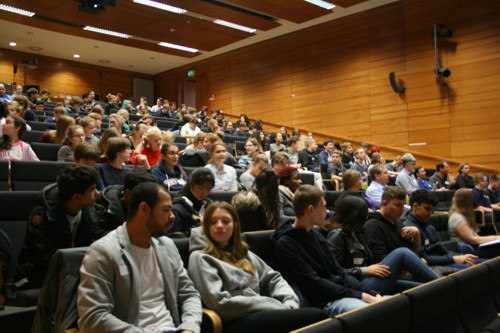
<point>249,145</point>
<point>172,153</point>
<point>77,136</point>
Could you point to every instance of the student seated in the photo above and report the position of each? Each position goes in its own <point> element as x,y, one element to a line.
<point>346,239</point>
<point>133,279</point>
<point>303,255</point>
<point>168,173</point>
<point>66,216</point>
<point>247,294</point>
<point>113,171</point>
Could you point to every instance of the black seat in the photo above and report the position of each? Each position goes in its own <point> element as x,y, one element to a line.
<point>4,175</point>
<point>433,307</point>
<point>46,151</point>
<point>31,136</point>
<point>307,178</point>
<point>325,326</point>
<point>393,314</point>
<point>34,175</point>
<point>222,196</point>
<point>440,223</point>
<point>196,160</point>
<point>261,244</point>
<point>475,303</point>
<point>444,200</point>
<point>39,125</point>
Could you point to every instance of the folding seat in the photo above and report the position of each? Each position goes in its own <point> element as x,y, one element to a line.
<point>4,176</point>
<point>261,244</point>
<point>34,175</point>
<point>307,178</point>
<point>196,160</point>
<point>31,136</point>
<point>46,151</point>
<point>476,308</point>
<point>494,270</point>
<point>390,316</point>
<point>330,198</point>
<point>440,222</point>
<point>324,326</point>
<point>222,196</point>
<point>39,125</point>
<point>330,185</point>
<point>433,307</point>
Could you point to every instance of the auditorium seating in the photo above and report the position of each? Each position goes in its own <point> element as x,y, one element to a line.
<point>39,125</point>
<point>31,136</point>
<point>46,151</point>
<point>34,175</point>
<point>4,175</point>
<point>444,200</point>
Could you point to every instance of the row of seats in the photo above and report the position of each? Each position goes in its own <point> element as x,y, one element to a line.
<point>464,302</point>
<point>29,175</point>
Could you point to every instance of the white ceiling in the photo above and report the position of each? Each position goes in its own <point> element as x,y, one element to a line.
<point>94,51</point>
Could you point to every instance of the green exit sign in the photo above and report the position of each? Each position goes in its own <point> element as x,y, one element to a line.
<point>191,73</point>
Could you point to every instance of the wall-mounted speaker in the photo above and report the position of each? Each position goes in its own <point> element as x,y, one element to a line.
<point>395,86</point>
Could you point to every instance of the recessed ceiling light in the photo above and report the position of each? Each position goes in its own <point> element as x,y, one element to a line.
<point>35,48</point>
<point>76,56</point>
<point>178,47</point>
<point>12,44</point>
<point>16,10</point>
<point>104,61</point>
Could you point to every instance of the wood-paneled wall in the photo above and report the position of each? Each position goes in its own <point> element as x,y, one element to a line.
<point>64,77</point>
<point>332,79</point>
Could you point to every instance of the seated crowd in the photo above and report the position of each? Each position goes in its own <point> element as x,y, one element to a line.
<point>128,188</point>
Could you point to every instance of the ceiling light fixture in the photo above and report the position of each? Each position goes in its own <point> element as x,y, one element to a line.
<point>12,44</point>
<point>16,10</point>
<point>161,6</point>
<point>107,32</point>
<point>234,26</point>
<point>178,47</point>
<point>322,4</point>
<point>76,56</point>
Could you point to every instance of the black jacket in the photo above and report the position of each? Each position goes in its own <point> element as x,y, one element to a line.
<point>116,212</point>
<point>383,236</point>
<point>48,230</point>
<point>305,259</point>
<point>187,214</point>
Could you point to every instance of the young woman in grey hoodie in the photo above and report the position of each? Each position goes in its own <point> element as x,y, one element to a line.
<point>248,294</point>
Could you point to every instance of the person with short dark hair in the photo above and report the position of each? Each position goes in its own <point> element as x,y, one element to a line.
<point>114,169</point>
<point>335,168</point>
<point>482,201</point>
<point>383,230</point>
<point>44,95</point>
<point>441,180</point>
<point>309,157</point>
<point>65,216</point>
<point>492,190</point>
<point>133,279</point>
<point>116,198</point>
<point>359,163</point>
<point>380,179</point>
<point>189,206</point>
<point>463,179</point>
<point>422,203</point>
<point>302,254</point>
<point>86,153</point>
<point>74,105</point>
<point>421,175</point>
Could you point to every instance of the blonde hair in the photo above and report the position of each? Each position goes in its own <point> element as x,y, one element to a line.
<point>462,204</point>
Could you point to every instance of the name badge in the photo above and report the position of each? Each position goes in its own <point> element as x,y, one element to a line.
<point>358,261</point>
<point>123,270</point>
<point>426,242</point>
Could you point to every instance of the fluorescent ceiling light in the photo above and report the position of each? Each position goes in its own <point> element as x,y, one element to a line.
<point>322,4</point>
<point>16,10</point>
<point>162,6</point>
<point>107,32</point>
<point>234,26</point>
<point>178,47</point>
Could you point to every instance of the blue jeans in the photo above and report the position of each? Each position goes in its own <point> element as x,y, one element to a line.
<point>399,259</point>
<point>342,305</point>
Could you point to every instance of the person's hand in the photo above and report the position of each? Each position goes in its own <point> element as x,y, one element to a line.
<point>467,259</point>
<point>409,232</point>
<point>371,299</point>
<point>379,270</point>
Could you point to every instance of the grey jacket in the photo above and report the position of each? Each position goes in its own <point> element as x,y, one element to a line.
<point>234,293</point>
<point>108,296</point>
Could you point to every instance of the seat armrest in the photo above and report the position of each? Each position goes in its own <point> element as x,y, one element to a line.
<point>211,322</point>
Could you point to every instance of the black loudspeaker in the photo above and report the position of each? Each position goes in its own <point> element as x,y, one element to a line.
<point>397,89</point>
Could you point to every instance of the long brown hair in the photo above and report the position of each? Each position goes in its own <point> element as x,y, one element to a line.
<point>462,204</point>
<point>235,253</point>
<point>63,124</point>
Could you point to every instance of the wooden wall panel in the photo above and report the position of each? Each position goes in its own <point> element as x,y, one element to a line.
<point>332,79</point>
<point>63,77</point>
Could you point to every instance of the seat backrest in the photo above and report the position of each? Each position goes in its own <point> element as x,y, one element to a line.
<point>34,175</point>
<point>46,151</point>
<point>475,303</point>
<point>222,196</point>
<point>307,178</point>
<point>444,200</point>
<point>14,219</point>
<point>332,325</point>
<point>4,175</point>
<point>39,125</point>
<point>330,198</point>
<point>393,314</point>
<point>31,136</point>
<point>182,245</point>
<point>440,222</point>
<point>261,244</point>
<point>195,160</point>
<point>494,270</point>
<point>56,314</point>
<point>433,307</point>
